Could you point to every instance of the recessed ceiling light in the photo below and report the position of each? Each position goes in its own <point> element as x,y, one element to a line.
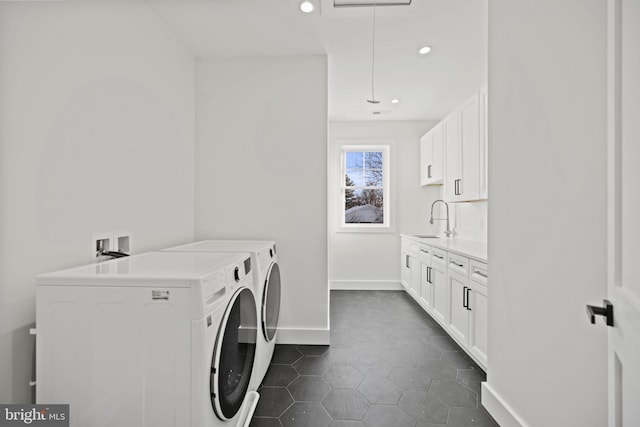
<point>307,6</point>
<point>395,101</point>
<point>424,50</point>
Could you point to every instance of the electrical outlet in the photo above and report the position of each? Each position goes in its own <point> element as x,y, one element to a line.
<point>122,242</point>
<point>100,242</point>
<point>104,242</point>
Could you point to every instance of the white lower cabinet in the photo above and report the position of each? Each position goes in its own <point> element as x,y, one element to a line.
<point>453,290</point>
<point>478,307</point>
<point>426,292</point>
<point>458,325</point>
<point>405,268</point>
<point>416,273</point>
<point>439,285</point>
<point>411,272</point>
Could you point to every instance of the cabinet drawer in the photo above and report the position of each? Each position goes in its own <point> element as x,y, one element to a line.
<point>414,247</point>
<point>478,272</point>
<point>459,264</point>
<point>425,253</point>
<point>439,257</point>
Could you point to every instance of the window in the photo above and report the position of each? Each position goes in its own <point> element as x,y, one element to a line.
<point>365,189</point>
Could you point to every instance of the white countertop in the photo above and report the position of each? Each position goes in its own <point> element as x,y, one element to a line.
<point>173,269</point>
<point>468,248</point>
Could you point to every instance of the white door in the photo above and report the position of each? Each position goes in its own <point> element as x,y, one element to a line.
<point>624,212</point>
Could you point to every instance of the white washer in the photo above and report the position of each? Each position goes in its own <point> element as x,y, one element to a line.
<point>158,339</point>
<point>267,290</point>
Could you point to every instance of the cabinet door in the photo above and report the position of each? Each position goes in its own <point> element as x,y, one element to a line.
<point>437,156</point>
<point>431,156</point>
<point>469,185</point>
<point>452,156</point>
<point>425,289</point>
<point>439,287</point>
<point>484,145</point>
<point>478,313</point>
<point>416,273</point>
<point>458,325</point>
<point>426,148</point>
<point>425,277</point>
<point>405,269</point>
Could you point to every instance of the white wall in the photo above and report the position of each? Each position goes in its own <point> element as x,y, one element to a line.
<point>96,119</point>
<point>261,150</point>
<point>469,220</point>
<point>372,259</point>
<point>547,225</point>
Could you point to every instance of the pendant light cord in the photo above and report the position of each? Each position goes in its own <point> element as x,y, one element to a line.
<point>373,51</point>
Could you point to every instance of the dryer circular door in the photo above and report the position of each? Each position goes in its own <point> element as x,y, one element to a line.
<point>234,353</point>
<point>271,302</point>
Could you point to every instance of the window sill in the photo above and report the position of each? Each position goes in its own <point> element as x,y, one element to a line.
<point>366,230</point>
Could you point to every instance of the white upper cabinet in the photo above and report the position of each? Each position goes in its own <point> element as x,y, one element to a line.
<point>465,151</point>
<point>484,144</point>
<point>432,156</point>
<point>469,182</point>
<point>452,156</point>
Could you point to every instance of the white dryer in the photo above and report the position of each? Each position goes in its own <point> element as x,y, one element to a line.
<point>267,290</point>
<point>158,339</point>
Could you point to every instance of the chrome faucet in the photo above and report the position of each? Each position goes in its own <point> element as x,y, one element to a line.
<point>448,231</point>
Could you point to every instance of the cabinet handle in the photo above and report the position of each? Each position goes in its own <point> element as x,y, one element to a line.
<point>424,251</point>
<point>457,186</point>
<point>454,262</point>
<point>428,171</point>
<point>479,273</point>
<point>429,275</point>
<point>406,262</point>
<point>464,297</point>
<point>438,256</point>
<point>468,308</point>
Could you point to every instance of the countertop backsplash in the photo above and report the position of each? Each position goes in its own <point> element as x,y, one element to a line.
<point>469,220</point>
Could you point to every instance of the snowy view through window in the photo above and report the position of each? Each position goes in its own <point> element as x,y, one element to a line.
<point>364,191</point>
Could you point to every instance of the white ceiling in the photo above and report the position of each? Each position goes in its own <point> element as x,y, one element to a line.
<point>428,86</point>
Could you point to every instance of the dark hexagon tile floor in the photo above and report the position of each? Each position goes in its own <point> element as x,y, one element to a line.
<point>389,365</point>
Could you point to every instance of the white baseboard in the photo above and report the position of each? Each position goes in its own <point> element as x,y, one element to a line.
<point>303,336</point>
<point>366,285</point>
<point>499,409</point>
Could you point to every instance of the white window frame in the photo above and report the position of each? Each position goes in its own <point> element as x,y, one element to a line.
<point>385,148</point>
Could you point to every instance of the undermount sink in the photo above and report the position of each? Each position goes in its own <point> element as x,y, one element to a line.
<point>425,236</point>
